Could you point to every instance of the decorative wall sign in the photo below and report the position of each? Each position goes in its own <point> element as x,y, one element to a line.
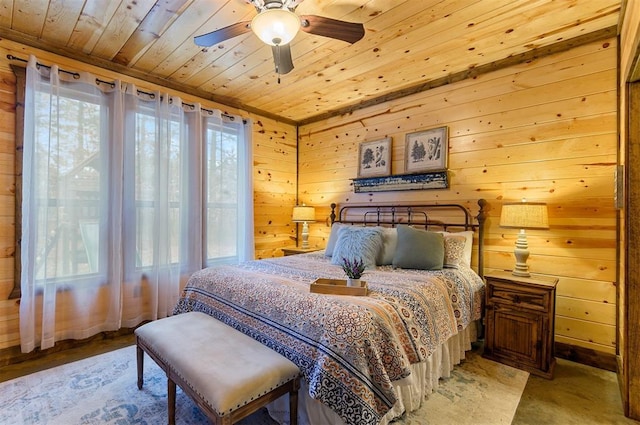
<point>426,150</point>
<point>437,180</point>
<point>374,158</point>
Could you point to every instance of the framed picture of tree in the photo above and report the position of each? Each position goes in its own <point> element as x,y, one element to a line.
<point>426,150</point>
<point>374,158</point>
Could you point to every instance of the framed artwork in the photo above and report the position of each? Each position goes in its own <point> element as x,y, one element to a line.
<point>426,150</point>
<point>374,158</point>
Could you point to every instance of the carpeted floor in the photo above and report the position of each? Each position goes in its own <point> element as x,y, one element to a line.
<point>102,390</point>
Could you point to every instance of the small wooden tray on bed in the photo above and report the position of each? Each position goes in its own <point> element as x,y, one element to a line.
<point>338,287</point>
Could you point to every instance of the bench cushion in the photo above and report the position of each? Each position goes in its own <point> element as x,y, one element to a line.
<point>225,367</point>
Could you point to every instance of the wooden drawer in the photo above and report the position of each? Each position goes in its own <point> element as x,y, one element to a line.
<point>515,295</point>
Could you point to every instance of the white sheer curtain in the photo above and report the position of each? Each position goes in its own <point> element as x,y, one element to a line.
<point>121,202</point>
<point>228,206</point>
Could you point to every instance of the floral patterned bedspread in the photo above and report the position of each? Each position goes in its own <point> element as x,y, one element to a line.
<point>348,348</point>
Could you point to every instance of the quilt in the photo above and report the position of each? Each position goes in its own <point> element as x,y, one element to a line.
<point>349,348</point>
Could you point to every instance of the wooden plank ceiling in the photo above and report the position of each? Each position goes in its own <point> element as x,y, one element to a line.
<point>408,45</point>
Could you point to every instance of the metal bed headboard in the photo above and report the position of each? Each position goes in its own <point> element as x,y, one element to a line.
<point>416,215</point>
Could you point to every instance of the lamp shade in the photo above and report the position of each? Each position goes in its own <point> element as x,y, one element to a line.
<point>276,27</point>
<point>524,215</point>
<point>303,213</point>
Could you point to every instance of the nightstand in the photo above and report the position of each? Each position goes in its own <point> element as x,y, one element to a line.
<point>295,251</point>
<point>519,321</point>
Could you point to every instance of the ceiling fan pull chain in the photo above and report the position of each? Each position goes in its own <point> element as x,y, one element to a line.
<point>278,61</point>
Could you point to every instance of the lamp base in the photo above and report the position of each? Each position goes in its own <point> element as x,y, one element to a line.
<point>521,273</point>
<point>305,235</point>
<point>522,254</point>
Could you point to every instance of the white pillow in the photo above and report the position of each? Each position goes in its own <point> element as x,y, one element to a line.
<point>389,245</point>
<point>468,246</point>
<point>362,243</point>
<point>333,238</point>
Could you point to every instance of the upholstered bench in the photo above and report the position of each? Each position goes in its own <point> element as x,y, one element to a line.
<point>228,374</point>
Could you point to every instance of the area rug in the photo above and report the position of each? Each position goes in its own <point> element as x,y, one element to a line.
<point>102,390</point>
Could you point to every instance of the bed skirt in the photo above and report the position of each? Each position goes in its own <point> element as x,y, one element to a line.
<point>411,390</point>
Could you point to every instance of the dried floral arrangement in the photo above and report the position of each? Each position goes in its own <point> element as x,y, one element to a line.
<point>353,268</point>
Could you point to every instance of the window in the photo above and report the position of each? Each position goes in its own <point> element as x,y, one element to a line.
<point>77,191</point>
<point>157,176</point>
<point>66,199</point>
<point>222,194</point>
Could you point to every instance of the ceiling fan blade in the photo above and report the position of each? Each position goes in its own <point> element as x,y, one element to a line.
<point>332,28</point>
<point>282,59</point>
<point>218,36</point>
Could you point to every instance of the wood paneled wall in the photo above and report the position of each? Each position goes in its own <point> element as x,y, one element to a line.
<point>274,176</point>
<point>629,231</point>
<point>543,130</point>
<point>274,186</point>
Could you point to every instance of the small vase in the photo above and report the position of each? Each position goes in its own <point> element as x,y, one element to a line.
<point>353,282</point>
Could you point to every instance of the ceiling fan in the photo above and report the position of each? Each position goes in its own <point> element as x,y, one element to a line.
<point>276,24</point>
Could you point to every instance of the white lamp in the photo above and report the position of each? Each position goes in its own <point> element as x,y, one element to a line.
<point>276,27</point>
<point>304,214</point>
<point>523,215</point>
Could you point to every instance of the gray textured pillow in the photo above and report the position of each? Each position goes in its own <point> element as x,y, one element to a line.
<point>389,244</point>
<point>362,243</point>
<point>419,249</point>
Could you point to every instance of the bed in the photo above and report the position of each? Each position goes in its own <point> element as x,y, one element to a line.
<point>364,359</point>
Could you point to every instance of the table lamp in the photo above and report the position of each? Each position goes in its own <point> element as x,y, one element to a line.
<point>523,215</point>
<point>304,214</point>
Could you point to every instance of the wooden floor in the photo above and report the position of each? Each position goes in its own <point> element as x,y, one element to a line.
<point>93,348</point>
<point>578,394</point>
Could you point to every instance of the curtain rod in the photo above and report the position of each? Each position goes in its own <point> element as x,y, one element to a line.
<point>112,84</point>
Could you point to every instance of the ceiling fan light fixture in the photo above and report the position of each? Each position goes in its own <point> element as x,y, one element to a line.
<point>276,27</point>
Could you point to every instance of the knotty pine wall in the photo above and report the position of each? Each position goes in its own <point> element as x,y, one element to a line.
<point>629,283</point>
<point>274,176</point>
<point>544,131</point>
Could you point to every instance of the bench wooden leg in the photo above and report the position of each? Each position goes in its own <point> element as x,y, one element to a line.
<point>171,401</point>
<point>293,402</point>
<point>140,362</point>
